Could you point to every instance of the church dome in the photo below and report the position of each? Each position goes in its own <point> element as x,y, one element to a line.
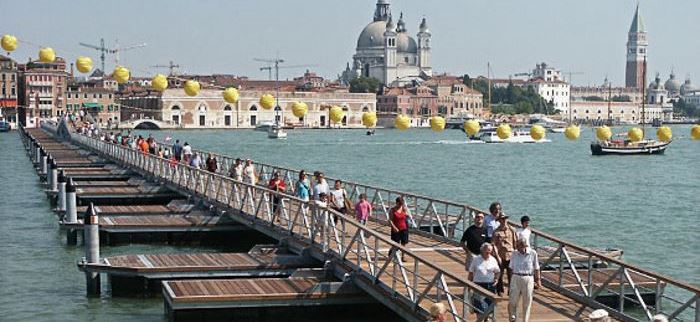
<point>372,35</point>
<point>673,84</point>
<point>406,44</point>
<point>656,84</point>
<point>687,87</point>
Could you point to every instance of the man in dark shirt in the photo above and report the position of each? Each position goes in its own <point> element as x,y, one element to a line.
<point>473,238</point>
<point>177,150</point>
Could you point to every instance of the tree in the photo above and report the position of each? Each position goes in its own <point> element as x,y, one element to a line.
<point>621,98</point>
<point>466,80</point>
<point>364,84</point>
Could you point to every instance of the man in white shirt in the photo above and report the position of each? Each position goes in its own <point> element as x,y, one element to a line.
<point>321,186</point>
<point>524,232</point>
<point>526,274</point>
<point>484,271</point>
<point>490,221</point>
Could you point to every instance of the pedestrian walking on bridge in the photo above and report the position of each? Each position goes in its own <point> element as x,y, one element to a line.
<point>526,276</point>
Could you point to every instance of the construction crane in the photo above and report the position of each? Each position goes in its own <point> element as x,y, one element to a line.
<point>275,65</point>
<point>171,66</point>
<point>105,50</point>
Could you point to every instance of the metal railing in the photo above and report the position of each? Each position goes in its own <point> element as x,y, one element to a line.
<point>588,276</point>
<point>370,253</point>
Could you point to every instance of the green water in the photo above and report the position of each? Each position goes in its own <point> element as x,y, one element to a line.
<point>646,205</point>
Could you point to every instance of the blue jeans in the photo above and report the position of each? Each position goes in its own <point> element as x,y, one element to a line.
<point>481,303</point>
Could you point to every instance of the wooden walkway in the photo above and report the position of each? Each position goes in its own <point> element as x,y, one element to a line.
<point>433,272</point>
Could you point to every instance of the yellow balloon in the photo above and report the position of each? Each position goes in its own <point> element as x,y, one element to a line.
<point>572,132</point>
<point>336,114</point>
<point>537,132</point>
<point>503,131</point>
<point>437,123</point>
<point>47,55</point>
<point>231,95</point>
<point>603,133</point>
<point>635,134</point>
<point>9,43</point>
<point>299,109</point>
<point>402,122</point>
<point>191,87</point>
<point>121,74</point>
<point>472,127</point>
<point>369,119</point>
<point>267,101</point>
<point>695,132</point>
<point>83,64</point>
<point>159,82</point>
<point>664,133</point>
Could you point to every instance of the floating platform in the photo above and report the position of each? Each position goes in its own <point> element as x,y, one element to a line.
<point>187,298</point>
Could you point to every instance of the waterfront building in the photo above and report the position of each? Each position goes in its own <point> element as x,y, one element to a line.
<point>387,52</point>
<point>618,112</point>
<point>41,88</point>
<point>441,95</point>
<point>8,90</point>
<point>636,52</point>
<point>97,101</point>
<point>548,83</point>
<point>208,109</point>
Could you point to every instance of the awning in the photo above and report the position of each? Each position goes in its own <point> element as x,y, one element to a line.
<point>97,106</point>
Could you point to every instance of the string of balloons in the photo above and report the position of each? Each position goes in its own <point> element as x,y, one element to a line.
<point>402,122</point>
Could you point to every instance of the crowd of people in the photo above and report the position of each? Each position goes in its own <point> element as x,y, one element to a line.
<point>499,258</point>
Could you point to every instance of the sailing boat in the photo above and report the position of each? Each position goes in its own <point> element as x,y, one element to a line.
<point>627,147</point>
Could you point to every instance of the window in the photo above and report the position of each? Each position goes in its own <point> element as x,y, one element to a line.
<point>253,119</point>
<point>227,120</point>
<point>253,109</point>
<point>202,120</point>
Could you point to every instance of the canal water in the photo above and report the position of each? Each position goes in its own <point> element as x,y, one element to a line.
<point>645,205</point>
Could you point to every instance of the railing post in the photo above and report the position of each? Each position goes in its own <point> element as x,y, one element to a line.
<point>622,289</point>
<point>53,176</point>
<point>61,197</point>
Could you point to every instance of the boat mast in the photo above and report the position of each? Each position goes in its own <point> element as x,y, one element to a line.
<point>609,102</point>
<point>488,77</point>
<point>644,85</point>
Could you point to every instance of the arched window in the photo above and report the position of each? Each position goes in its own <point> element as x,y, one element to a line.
<point>278,108</point>
<point>253,108</point>
<point>227,108</point>
<point>365,109</point>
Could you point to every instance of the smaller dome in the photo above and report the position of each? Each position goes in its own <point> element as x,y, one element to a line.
<point>688,87</point>
<point>673,84</point>
<point>656,84</point>
<point>406,44</point>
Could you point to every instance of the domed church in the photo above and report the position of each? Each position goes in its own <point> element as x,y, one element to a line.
<point>387,52</point>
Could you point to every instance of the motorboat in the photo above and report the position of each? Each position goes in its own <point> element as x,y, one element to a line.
<point>518,136</point>
<point>264,126</point>
<point>370,132</point>
<point>5,126</point>
<point>276,132</point>
<point>627,147</point>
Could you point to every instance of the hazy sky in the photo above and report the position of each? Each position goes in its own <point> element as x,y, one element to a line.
<point>218,36</point>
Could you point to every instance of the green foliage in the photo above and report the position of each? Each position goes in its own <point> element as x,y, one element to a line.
<point>621,98</point>
<point>686,109</point>
<point>593,98</point>
<point>364,84</point>
<point>512,99</point>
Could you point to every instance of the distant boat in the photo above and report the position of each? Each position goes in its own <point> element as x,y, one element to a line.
<point>627,147</point>
<point>5,126</point>
<point>264,126</point>
<point>276,132</point>
<point>518,136</point>
<point>370,132</point>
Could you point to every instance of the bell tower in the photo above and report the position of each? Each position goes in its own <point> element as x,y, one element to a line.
<point>636,53</point>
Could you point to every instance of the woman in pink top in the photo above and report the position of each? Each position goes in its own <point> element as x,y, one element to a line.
<point>363,209</point>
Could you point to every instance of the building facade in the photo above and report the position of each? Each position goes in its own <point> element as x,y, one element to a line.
<point>618,112</point>
<point>8,90</point>
<point>98,102</point>
<point>387,52</point>
<point>637,44</point>
<point>209,110</point>
<point>41,89</point>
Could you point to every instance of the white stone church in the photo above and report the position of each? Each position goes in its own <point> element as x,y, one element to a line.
<point>387,52</point>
